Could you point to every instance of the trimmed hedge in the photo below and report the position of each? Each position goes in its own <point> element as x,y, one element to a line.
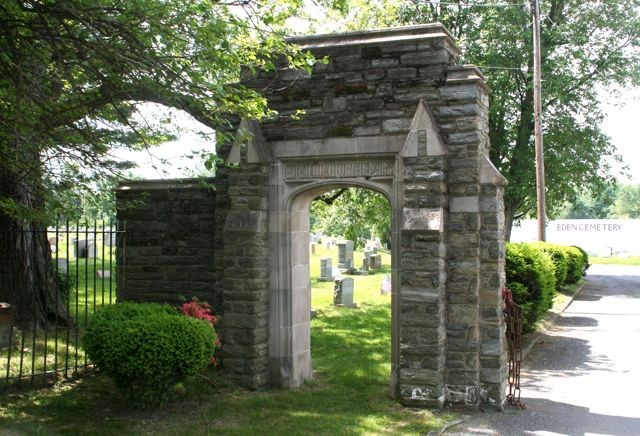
<point>534,272</point>
<point>531,277</point>
<point>560,259</point>
<point>585,260</point>
<point>148,348</point>
<point>575,265</point>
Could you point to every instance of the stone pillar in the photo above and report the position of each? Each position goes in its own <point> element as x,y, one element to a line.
<point>423,272</point>
<point>474,344</point>
<point>246,277</point>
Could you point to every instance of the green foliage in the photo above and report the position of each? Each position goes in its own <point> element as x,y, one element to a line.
<point>148,348</point>
<point>585,259</point>
<point>356,214</point>
<point>531,277</point>
<point>73,76</point>
<point>534,272</point>
<point>560,259</point>
<point>627,203</point>
<point>590,204</point>
<point>575,264</point>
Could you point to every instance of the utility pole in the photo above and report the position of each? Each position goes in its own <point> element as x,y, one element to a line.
<point>537,120</point>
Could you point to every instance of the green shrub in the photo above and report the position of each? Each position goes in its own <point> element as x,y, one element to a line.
<point>531,277</point>
<point>148,348</point>
<point>575,264</point>
<point>585,260</point>
<point>559,257</point>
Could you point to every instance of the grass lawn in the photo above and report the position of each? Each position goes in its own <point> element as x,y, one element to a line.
<point>349,394</point>
<point>632,260</point>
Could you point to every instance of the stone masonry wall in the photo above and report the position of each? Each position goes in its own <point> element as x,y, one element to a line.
<point>369,88</point>
<point>169,247</point>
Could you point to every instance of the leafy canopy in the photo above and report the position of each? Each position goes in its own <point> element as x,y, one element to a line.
<point>355,213</point>
<point>73,74</point>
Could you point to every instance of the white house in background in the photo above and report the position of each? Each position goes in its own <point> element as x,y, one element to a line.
<point>597,237</point>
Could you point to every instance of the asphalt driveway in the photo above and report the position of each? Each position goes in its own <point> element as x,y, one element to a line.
<point>583,377</point>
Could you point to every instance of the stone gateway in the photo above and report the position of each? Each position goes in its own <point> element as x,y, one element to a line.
<point>393,112</point>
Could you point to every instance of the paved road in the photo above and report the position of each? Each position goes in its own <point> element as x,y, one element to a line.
<point>583,378</point>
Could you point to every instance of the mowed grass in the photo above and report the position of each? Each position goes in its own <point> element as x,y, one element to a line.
<point>348,395</point>
<point>631,260</point>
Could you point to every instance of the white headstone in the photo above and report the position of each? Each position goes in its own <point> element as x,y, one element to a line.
<point>343,293</point>
<point>103,273</point>
<point>326,270</point>
<point>385,286</point>
<point>347,292</point>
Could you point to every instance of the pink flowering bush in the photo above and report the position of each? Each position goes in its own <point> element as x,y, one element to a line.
<point>202,310</point>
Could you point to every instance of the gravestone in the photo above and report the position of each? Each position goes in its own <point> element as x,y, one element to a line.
<point>345,255</point>
<point>385,286</point>
<point>313,248</point>
<point>84,249</point>
<point>103,273</point>
<point>63,264</point>
<point>53,243</point>
<point>6,322</point>
<point>327,244</point>
<point>326,270</point>
<point>343,293</point>
<point>365,265</point>
<point>375,261</point>
<point>109,239</point>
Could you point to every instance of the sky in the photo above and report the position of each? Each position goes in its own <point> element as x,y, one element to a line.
<point>621,126</point>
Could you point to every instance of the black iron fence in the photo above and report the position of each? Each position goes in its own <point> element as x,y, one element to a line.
<point>51,294</point>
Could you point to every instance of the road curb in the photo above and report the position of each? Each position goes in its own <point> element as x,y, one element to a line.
<point>549,321</point>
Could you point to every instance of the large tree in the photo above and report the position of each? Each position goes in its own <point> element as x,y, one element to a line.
<point>72,74</point>
<point>586,48</point>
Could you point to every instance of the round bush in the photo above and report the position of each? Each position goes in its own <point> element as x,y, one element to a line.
<point>148,348</point>
<point>531,278</point>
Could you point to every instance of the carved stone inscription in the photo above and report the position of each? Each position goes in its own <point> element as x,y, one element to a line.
<point>337,169</point>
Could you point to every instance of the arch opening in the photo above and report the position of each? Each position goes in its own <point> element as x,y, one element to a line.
<point>295,266</point>
<point>351,299</point>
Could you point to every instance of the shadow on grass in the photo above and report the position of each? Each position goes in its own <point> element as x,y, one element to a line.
<point>349,395</point>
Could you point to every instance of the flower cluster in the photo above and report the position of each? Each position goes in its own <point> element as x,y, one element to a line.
<point>199,309</point>
<point>202,310</point>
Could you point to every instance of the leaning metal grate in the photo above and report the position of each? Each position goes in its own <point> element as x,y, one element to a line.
<point>513,317</point>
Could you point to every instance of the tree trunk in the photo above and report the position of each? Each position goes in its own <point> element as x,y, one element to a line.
<point>27,274</point>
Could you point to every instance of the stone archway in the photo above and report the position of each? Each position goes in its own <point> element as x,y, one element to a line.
<point>289,334</point>
<point>393,112</point>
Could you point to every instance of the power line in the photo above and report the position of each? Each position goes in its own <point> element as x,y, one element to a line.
<point>488,67</point>
<point>472,5</point>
